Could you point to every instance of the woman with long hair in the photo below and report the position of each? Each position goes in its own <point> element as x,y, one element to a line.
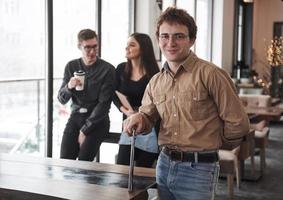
<point>132,79</point>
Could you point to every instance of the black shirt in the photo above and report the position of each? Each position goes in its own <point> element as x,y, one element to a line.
<point>134,90</point>
<point>97,94</point>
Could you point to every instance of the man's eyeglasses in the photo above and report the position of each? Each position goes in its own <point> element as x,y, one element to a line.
<point>164,37</point>
<point>88,48</point>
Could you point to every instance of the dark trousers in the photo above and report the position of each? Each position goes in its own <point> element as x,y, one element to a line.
<point>70,148</point>
<point>142,158</point>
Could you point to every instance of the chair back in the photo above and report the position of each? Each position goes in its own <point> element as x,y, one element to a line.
<point>256,100</point>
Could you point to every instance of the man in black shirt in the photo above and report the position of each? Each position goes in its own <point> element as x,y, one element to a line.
<point>89,121</point>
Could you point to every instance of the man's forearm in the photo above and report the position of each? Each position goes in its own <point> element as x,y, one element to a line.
<point>147,123</point>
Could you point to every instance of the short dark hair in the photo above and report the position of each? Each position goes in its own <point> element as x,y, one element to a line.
<point>179,16</point>
<point>86,34</point>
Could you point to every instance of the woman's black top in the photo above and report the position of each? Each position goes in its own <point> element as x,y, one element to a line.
<point>134,90</point>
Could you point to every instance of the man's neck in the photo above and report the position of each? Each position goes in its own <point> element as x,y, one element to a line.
<point>89,63</point>
<point>175,65</point>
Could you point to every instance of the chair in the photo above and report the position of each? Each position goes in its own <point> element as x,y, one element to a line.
<point>229,166</point>
<point>261,140</point>
<point>260,101</point>
<point>261,125</point>
<point>255,100</point>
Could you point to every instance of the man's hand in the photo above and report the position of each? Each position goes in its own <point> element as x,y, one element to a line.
<point>134,121</point>
<point>73,83</point>
<point>81,138</point>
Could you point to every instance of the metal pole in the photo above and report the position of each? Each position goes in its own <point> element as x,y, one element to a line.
<point>99,24</point>
<point>49,79</point>
<point>38,115</point>
<point>132,160</point>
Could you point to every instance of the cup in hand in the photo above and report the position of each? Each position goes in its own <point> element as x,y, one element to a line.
<point>80,75</point>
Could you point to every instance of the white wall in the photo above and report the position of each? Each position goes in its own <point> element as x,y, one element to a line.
<point>265,14</point>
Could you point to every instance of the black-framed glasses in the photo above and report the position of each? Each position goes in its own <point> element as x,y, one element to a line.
<point>88,48</point>
<point>164,37</point>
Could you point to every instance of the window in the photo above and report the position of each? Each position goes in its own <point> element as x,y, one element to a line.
<point>21,79</point>
<point>69,17</point>
<point>204,23</point>
<point>115,29</point>
<point>188,5</point>
<point>23,62</point>
<point>201,10</point>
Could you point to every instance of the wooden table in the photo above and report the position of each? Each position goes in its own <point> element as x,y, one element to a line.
<point>34,178</point>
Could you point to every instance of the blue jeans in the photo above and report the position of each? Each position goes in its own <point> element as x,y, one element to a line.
<point>185,180</point>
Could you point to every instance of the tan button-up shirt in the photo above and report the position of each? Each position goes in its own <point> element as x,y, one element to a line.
<point>197,106</point>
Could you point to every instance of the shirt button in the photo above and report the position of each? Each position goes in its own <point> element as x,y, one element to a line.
<point>174,115</point>
<point>173,97</point>
<point>175,133</point>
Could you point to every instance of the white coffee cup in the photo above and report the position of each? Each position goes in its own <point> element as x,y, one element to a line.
<point>80,75</point>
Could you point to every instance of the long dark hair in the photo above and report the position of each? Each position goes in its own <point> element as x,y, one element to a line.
<point>148,60</point>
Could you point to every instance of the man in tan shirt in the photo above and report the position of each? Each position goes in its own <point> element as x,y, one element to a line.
<point>199,108</point>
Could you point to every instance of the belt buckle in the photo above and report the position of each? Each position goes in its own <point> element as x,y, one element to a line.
<point>82,110</point>
<point>170,154</point>
<point>196,157</point>
<point>182,156</point>
<point>176,155</point>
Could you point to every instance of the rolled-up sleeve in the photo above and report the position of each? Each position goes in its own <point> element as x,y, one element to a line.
<point>148,109</point>
<point>230,108</point>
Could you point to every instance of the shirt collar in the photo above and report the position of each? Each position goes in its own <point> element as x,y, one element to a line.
<point>188,64</point>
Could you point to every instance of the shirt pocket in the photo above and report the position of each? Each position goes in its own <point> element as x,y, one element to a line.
<point>200,105</point>
<point>159,102</point>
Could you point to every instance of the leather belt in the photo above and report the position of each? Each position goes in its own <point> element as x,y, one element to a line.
<point>206,157</point>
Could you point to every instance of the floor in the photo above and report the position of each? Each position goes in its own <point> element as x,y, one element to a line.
<point>270,185</point>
